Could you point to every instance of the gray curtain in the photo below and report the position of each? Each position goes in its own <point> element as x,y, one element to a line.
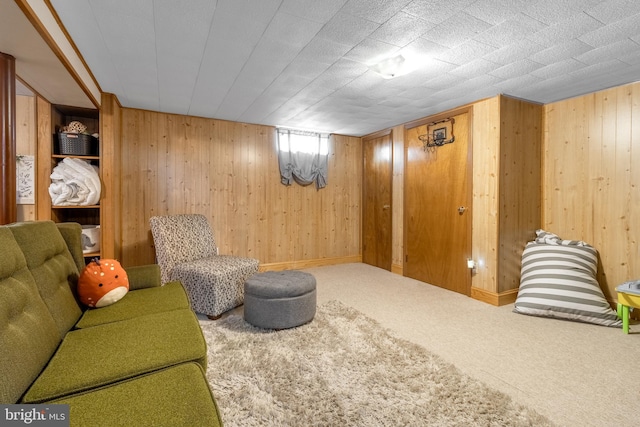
<point>303,157</point>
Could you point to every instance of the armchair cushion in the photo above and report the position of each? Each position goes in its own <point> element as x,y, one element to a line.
<point>224,275</point>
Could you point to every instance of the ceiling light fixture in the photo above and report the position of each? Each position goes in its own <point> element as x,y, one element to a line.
<point>394,66</point>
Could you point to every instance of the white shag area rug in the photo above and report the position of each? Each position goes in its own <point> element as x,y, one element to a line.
<point>343,369</point>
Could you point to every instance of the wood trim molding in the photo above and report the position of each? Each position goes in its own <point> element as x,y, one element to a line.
<point>397,269</point>
<point>494,298</point>
<point>378,134</point>
<point>294,265</point>
<point>439,116</point>
<point>90,87</point>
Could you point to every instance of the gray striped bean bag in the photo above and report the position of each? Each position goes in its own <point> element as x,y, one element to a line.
<point>558,280</point>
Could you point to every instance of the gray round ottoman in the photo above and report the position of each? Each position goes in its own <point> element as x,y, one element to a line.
<point>280,299</point>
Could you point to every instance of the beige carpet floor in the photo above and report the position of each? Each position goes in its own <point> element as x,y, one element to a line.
<point>574,374</point>
<point>343,369</point>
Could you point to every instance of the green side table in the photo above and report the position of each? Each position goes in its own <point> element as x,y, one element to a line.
<point>628,297</point>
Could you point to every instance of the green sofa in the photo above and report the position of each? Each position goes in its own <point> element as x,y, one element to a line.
<point>140,361</point>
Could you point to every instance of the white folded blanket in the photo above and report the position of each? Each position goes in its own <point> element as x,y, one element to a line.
<point>75,182</point>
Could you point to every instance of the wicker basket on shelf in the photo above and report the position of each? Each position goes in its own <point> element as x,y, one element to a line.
<point>77,144</point>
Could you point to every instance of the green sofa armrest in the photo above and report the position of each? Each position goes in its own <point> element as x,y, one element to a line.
<point>72,235</point>
<point>143,276</point>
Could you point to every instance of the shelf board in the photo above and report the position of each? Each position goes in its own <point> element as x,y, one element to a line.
<point>63,156</point>
<point>91,255</point>
<point>76,207</point>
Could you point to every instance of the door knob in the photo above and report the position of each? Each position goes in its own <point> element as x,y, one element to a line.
<point>461,210</point>
<point>386,206</point>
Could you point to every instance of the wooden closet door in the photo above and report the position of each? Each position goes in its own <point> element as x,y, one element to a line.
<point>376,202</point>
<point>437,209</point>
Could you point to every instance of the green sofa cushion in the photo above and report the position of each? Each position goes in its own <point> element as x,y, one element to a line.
<point>28,334</point>
<point>173,397</point>
<point>171,296</point>
<point>101,355</point>
<point>53,269</point>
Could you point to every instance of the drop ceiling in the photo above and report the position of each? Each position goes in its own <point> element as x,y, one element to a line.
<point>305,63</point>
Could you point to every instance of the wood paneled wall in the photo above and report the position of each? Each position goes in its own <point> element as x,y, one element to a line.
<point>229,172</point>
<point>26,143</point>
<point>485,130</point>
<point>520,186</point>
<point>507,136</point>
<point>111,171</point>
<point>591,179</point>
<point>397,213</point>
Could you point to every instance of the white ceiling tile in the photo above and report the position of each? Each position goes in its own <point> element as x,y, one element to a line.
<point>435,11</point>
<point>517,51</point>
<point>467,51</point>
<point>371,51</point>
<point>258,11</point>
<point>514,85</point>
<point>291,30</point>
<point>516,69</point>
<point>347,29</point>
<point>87,39</point>
<point>598,69</point>
<point>121,30</point>
<point>427,70</point>
<point>401,29</point>
<point>606,53</point>
<point>474,68</point>
<point>558,68</point>
<point>181,32</point>
<point>420,93</point>
<point>216,77</point>
<point>560,52</point>
<point>550,11</point>
<point>134,8</point>
<point>305,67</point>
<point>614,10</point>
<point>540,90</point>
<point>496,11</point>
<point>565,29</point>
<point>485,82</point>
<point>304,62</point>
<point>619,30</point>
<point>262,108</point>
<point>323,50</point>
<point>378,11</point>
<point>312,9</point>
<point>632,58</point>
<point>423,48</point>
<point>444,81</point>
<point>509,31</point>
<point>456,30</point>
